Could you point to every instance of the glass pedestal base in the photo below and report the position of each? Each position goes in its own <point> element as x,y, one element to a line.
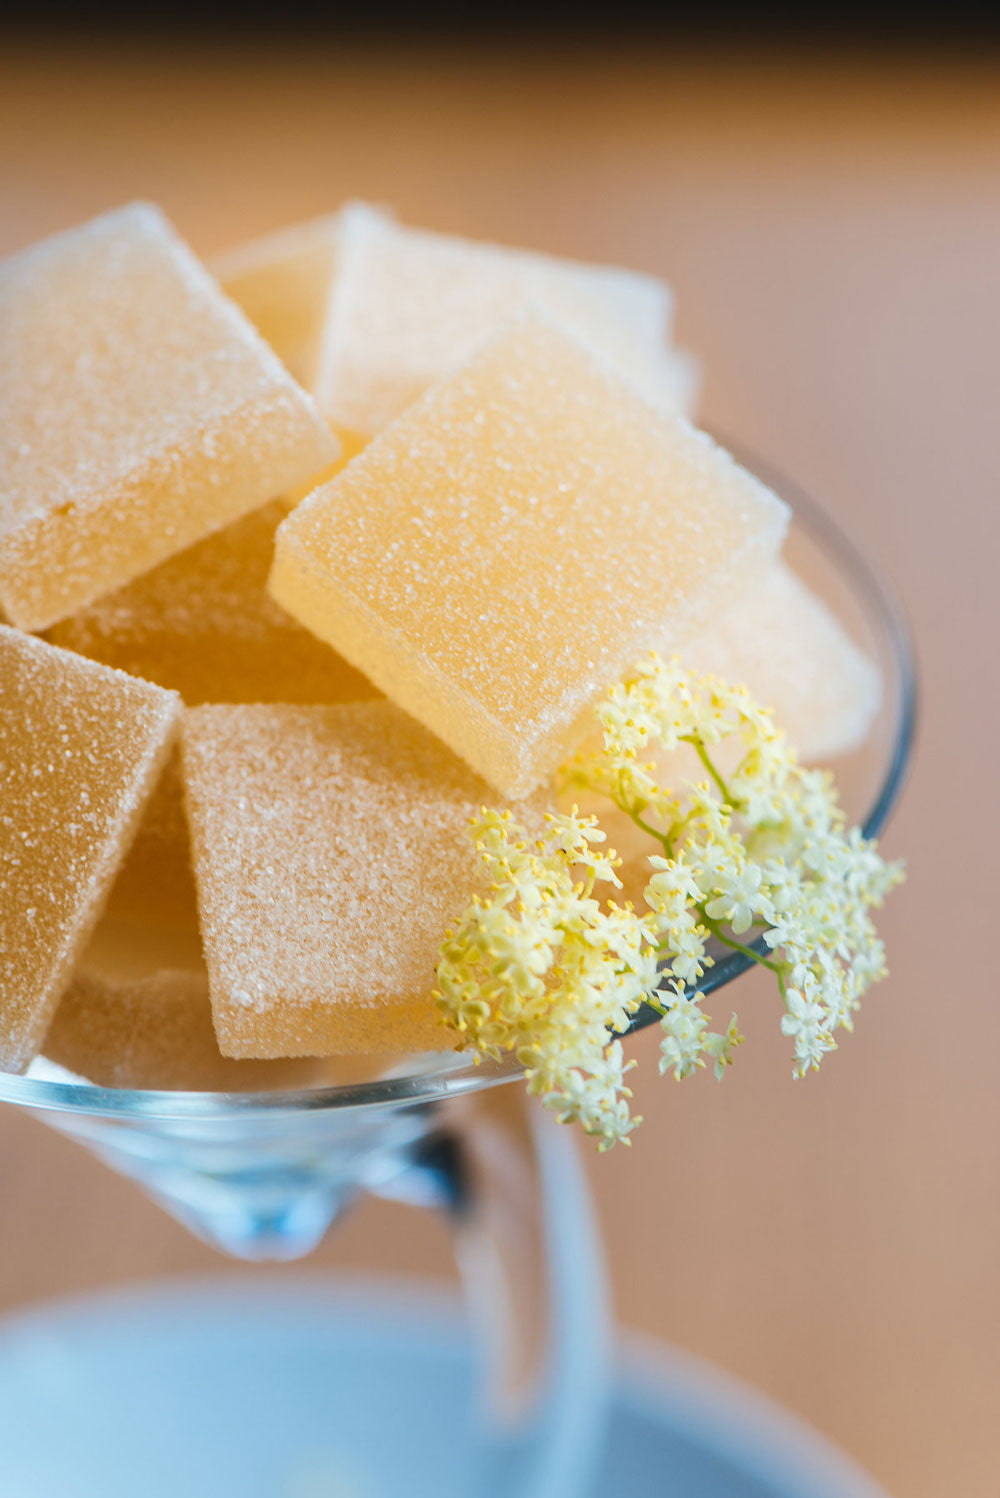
<point>299,1386</point>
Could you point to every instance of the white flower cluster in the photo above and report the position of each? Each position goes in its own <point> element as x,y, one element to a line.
<point>543,969</point>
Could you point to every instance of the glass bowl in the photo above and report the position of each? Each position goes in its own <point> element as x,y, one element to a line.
<point>262,1174</point>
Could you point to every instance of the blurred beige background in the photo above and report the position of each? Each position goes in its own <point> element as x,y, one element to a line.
<point>832,230</point>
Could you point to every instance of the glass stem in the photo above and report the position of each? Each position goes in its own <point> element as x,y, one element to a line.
<point>532,1270</point>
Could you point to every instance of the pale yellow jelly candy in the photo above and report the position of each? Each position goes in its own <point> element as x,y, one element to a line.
<point>331,851</point>
<point>81,747</point>
<point>408,307</point>
<point>156,1032</point>
<point>139,410</point>
<point>782,642</point>
<point>137,1014</point>
<point>154,888</point>
<point>351,443</point>
<point>511,544</point>
<point>282,282</point>
<point>204,624</point>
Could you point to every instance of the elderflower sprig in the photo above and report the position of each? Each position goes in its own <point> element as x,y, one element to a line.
<point>758,860</point>
<point>541,968</point>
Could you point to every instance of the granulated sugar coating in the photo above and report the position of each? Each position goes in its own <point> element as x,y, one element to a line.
<point>408,308</point>
<point>154,887</point>
<point>81,747</point>
<point>137,1014</point>
<point>786,646</point>
<point>204,624</point>
<point>512,543</point>
<point>139,410</point>
<point>156,1031</point>
<point>331,851</point>
<point>282,283</point>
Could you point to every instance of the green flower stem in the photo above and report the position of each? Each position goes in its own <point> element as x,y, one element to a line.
<point>782,989</point>
<point>698,744</point>
<point>737,946</point>
<point>662,838</point>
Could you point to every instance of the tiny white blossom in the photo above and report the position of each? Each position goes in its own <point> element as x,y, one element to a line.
<point>805,1021</point>
<point>739,897</point>
<point>721,1047</point>
<point>683,1042</point>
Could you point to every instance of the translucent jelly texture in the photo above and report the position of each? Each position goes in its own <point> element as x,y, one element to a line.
<point>156,1031</point>
<point>154,887</point>
<point>204,624</point>
<point>408,307</point>
<point>282,282</point>
<point>153,1031</point>
<point>139,410</point>
<point>783,642</point>
<point>331,852</point>
<point>137,1014</point>
<point>81,747</point>
<point>509,545</point>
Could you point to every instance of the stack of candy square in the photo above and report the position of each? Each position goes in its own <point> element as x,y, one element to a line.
<point>368,313</point>
<point>81,747</point>
<point>190,908</point>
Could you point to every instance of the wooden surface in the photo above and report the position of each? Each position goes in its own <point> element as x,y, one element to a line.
<point>833,233</point>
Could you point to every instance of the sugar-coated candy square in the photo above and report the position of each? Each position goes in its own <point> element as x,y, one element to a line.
<point>154,889</point>
<point>139,410</point>
<point>331,850</point>
<point>282,282</point>
<point>155,1031</point>
<point>512,542</point>
<point>150,1031</point>
<point>783,642</point>
<point>204,624</point>
<point>407,307</point>
<point>81,747</point>
<point>137,1014</point>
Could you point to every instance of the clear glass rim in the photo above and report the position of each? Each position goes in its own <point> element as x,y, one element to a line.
<point>456,1077</point>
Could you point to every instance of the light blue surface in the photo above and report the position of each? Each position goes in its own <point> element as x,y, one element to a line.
<point>314,1388</point>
